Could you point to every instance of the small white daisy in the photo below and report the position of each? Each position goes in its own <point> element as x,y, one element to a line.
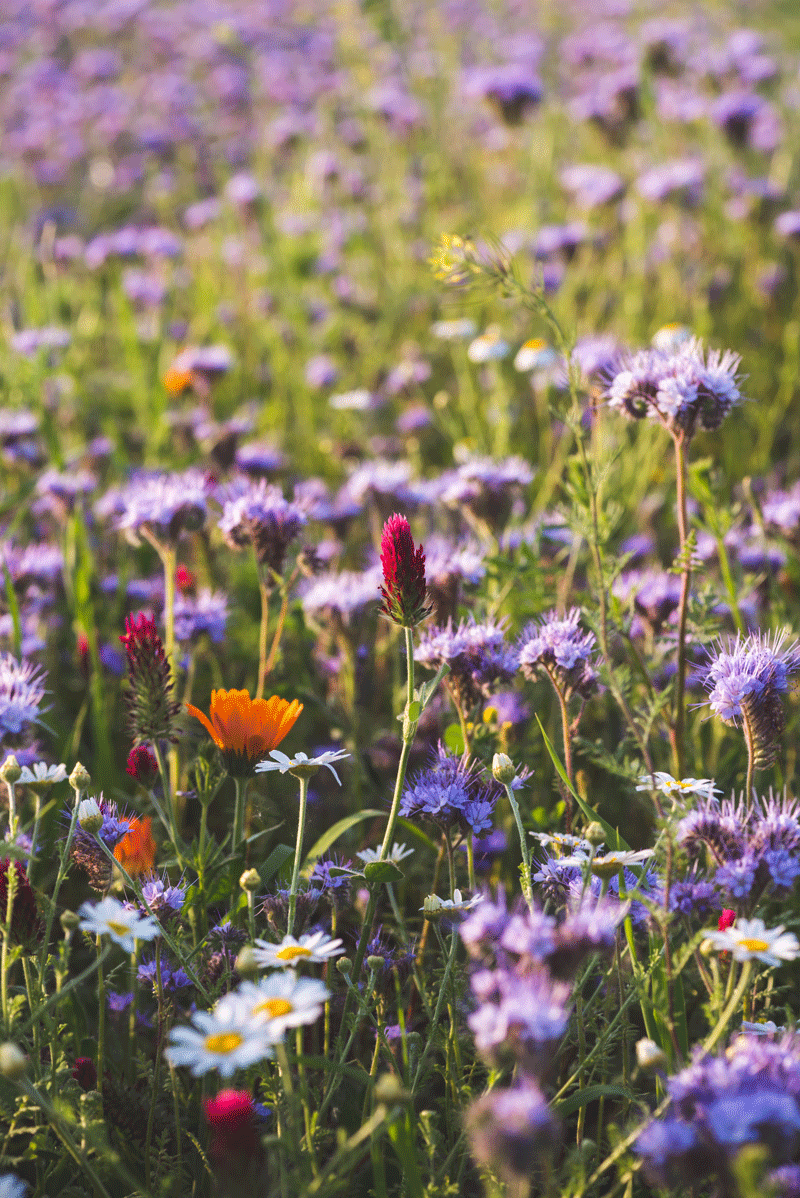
<point>313,948</point>
<point>41,776</point>
<point>279,1001</point>
<point>396,854</point>
<point>704,788</point>
<point>563,840</point>
<point>223,1039</point>
<point>300,764</point>
<point>605,865</point>
<point>454,330</point>
<point>762,1029</point>
<point>750,940</point>
<point>111,918</point>
<point>436,906</point>
<point>488,347</point>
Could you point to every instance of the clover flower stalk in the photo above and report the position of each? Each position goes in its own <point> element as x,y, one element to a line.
<point>404,602</point>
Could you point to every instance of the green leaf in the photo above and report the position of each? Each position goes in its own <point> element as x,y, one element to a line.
<point>414,711</point>
<point>382,873</point>
<point>613,837</point>
<point>587,1095</point>
<point>418,834</point>
<point>277,858</point>
<point>428,689</point>
<point>343,825</point>
<point>454,739</point>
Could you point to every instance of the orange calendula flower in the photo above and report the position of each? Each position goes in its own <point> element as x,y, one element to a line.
<point>136,852</point>
<point>178,379</point>
<point>245,729</point>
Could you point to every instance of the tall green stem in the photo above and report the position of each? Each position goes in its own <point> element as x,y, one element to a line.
<point>238,812</point>
<point>262,637</point>
<point>298,853</point>
<point>527,884</point>
<point>679,718</point>
<point>101,1015</point>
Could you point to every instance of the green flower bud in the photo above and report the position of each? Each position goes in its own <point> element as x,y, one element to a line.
<point>503,769</point>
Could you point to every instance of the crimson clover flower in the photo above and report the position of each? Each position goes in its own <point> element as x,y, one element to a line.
<point>151,706</point>
<point>404,587</point>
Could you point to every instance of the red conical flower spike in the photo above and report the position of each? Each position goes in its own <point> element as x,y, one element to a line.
<point>404,587</point>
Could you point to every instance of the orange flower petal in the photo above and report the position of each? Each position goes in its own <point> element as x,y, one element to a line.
<point>136,852</point>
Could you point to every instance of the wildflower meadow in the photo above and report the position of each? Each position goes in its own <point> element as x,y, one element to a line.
<point>399,599</point>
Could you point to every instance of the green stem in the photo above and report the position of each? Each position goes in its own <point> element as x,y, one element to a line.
<point>238,812</point>
<point>57,1125</point>
<point>409,731</point>
<point>527,884</point>
<point>298,853</point>
<point>262,637</point>
<point>156,1068</point>
<point>471,861</point>
<point>101,1015</point>
<point>730,1009</point>
<point>444,990</point>
<point>683,608</point>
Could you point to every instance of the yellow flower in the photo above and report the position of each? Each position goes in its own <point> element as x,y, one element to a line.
<point>245,729</point>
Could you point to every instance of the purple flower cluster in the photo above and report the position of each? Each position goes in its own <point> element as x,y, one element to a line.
<point>21,694</point>
<point>257,514</point>
<point>684,388</point>
<point>556,646</point>
<point>756,849</point>
<point>450,792</point>
<point>749,1095</point>
<point>477,654</point>
<point>206,613</point>
<point>168,504</point>
<point>747,681</point>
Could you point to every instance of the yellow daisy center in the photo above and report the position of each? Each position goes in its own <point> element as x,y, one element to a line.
<point>755,946</point>
<point>274,1007</point>
<point>119,929</point>
<point>223,1042</point>
<point>291,952</point>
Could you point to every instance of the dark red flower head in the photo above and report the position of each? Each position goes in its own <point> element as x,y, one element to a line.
<point>184,579</point>
<point>26,926</point>
<point>143,766</point>
<point>84,1071</point>
<point>404,586</point>
<point>151,706</point>
<point>232,1118</point>
<point>726,919</point>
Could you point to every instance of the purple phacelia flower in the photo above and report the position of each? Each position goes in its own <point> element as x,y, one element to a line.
<point>206,613</point>
<point>556,646</point>
<point>477,654</point>
<point>257,514</point>
<point>746,682</point>
<point>169,504</point>
<point>450,792</point>
<point>21,694</point>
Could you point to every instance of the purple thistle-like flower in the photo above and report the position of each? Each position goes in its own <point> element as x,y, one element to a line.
<point>167,503</point>
<point>749,1095</point>
<point>257,514</point>
<point>343,593</point>
<point>477,654</point>
<point>206,613</point>
<point>746,681</point>
<point>556,646</point>
<point>510,1129</point>
<point>450,792</point>
<point>520,1017</point>
<point>685,388</point>
<point>21,694</point>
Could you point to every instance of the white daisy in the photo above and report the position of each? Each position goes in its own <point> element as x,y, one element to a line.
<point>314,948</point>
<point>750,940</point>
<point>111,918</point>
<point>396,854</point>
<point>300,764</point>
<point>605,865</point>
<point>563,840</point>
<point>704,788</point>
<point>279,1001</point>
<point>436,906</point>
<point>41,776</point>
<point>223,1039</point>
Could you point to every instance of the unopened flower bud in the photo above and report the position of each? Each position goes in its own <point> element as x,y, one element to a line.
<point>11,770</point>
<point>69,921</point>
<point>80,779</point>
<point>432,906</point>
<point>250,880</point>
<point>344,965</point>
<point>13,1062</point>
<point>375,962</point>
<point>246,964</point>
<point>649,1055</point>
<point>707,948</point>
<point>390,1091</point>
<point>503,769</point>
<point>90,817</point>
<point>594,833</point>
